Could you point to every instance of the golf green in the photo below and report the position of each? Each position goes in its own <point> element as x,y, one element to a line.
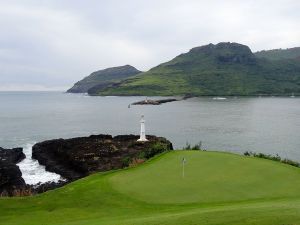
<point>217,188</point>
<point>208,177</point>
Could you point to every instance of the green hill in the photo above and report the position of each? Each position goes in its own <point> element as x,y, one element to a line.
<point>218,188</point>
<point>279,54</point>
<point>222,69</point>
<point>103,78</point>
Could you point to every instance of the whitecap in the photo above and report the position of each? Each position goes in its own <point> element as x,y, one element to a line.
<point>219,98</point>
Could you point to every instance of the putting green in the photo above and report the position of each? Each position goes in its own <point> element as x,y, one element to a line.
<point>218,189</point>
<point>208,177</point>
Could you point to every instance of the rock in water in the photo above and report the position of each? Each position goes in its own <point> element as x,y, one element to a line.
<point>78,157</point>
<point>155,102</point>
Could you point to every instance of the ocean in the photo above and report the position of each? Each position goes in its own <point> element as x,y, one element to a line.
<point>269,125</point>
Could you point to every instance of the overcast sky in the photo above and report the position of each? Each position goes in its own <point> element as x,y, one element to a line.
<point>47,45</point>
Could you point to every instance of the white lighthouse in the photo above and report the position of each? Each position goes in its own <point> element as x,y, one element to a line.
<point>143,132</point>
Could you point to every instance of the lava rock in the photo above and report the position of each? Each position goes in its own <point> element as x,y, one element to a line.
<point>11,181</point>
<point>155,102</point>
<point>78,157</point>
<point>43,187</point>
<point>14,155</point>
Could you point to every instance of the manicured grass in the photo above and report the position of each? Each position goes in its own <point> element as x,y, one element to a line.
<point>209,177</point>
<point>218,188</point>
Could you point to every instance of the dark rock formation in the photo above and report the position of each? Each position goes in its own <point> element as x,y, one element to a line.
<point>43,187</point>
<point>155,102</point>
<point>14,155</point>
<point>226,52</point>
<point>11,181</point>
<point>78,157</point>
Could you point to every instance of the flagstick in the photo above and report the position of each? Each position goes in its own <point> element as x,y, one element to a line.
<point>183,169</point>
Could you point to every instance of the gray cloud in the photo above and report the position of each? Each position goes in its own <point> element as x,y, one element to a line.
<point>49,44</point>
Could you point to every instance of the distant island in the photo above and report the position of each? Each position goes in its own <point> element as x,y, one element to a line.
<point>224,69</point>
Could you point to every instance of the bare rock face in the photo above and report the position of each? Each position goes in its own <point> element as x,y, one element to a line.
<point>78,157</point>
<point>75,158</point>
<point>14,155</point>
<point>11,181</point>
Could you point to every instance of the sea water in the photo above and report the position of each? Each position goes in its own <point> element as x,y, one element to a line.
<point>269,125</point>
<point>34,173</point>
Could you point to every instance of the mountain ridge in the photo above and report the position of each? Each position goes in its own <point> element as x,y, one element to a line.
<point>226,68</point>
<point>278,54</point>
<point>102,78</point>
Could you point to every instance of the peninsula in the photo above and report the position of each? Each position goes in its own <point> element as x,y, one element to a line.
<point>223,69</point>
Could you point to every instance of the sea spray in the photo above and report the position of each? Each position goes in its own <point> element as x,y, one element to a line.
<point>34,173</point>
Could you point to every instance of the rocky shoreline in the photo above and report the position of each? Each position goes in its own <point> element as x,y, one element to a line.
<point>11,181</point>
<point>79,157</point>
<point>76,158</point>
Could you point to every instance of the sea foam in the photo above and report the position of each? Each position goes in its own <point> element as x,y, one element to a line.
<point>34,173</point>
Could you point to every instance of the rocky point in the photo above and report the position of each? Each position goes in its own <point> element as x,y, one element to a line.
<point>78,157</point>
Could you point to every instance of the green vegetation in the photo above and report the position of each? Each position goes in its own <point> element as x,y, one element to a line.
<point>103,78</point>
<point>198,146</point>
<point>278,54</point>
<point>272,157</point>
<point>214,70</point>
<point>218,188</point>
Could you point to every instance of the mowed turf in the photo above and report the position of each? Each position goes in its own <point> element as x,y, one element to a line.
<point>218,188</point>
<point>209,177</point>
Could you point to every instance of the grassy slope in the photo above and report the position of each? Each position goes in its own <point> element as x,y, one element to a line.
<point>216,72</point>
<point>102,78</point>
<point>277,54</point>
<point>219,188</point>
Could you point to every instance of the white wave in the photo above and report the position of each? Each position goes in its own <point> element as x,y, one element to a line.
<point>219,98</point>
<point>34,173</point>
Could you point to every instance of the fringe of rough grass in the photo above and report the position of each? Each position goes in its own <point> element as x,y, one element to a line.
<point>198,146</point>
<point>272,157</point>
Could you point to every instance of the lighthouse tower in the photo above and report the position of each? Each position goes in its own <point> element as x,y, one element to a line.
<point>143,132</point>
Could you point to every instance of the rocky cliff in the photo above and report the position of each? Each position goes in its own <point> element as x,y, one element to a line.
<point>11,181</point>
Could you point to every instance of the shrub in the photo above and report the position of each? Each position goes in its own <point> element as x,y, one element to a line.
<point>126,161</point>
<point>155,149</point>
<point>136,161</point>
<point>187,146</point>
<point>272,157</point>
<point>247,153</point>
<point>195,147</point>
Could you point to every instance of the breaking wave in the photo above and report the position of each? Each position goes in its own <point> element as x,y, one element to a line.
<point>34,173</point>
